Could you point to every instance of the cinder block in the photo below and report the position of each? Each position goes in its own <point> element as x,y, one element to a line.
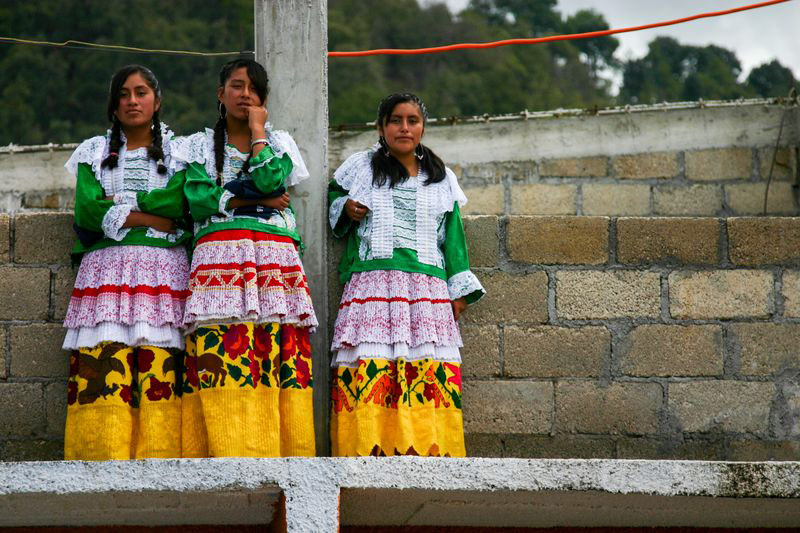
<point>24,292</point>
<point>482,240</point>
<point>627,408</point>
<point>764,241</point>
<point>650,448</point>
<point>721,294</point>
<point>543,199</point>
<point>36,351</point>
<point>5,237</point>
<point>767,349</point>
<point>43,238</point>
<point>560,446</point>
<point>486,200</point>
<point>481,352</point>
<point>548,351</point>
<point>575,167</point>
<point>719,164</point>
<point>646,166</point>
<point>22,410</point>
<point>55,397</point>
<point>661,350</point>
<point>721,406</point>
<point>748,198</point>
<point>32,450</point>
<point>616,200</point>
<point>668,240</point>
<point>511,298</point>
<point>612,294</point>
<point>484,445</point>
<point>2,352</point>
<point>694,200</point>
<point>508,407</point>
<point>62,290</point>
<point>42,200</point>
<point>558,240</point>
<point>760,450</point>
<point>791,293</point>
<point>785,163</point>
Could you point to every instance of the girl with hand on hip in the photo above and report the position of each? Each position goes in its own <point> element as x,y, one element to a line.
<point>397,380</point>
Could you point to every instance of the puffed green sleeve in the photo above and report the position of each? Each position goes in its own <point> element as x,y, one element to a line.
<point>268,171</point>
<point>204,196</point>
<point>90,206</point>
<point>169,201</point>
<point>339,221</point>
<point>461,282</point>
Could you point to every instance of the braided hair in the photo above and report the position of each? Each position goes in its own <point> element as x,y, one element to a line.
<point>258,76</point>
<point>385,167</point>
<point>155,151</point>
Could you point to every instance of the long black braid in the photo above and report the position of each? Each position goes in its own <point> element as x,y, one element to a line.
<point>258,76</point>
<point>114,145</point>
<point>155,151</point>
<point>385,167</point>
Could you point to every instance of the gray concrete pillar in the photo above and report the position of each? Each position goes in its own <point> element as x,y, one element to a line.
<point>292,43</point>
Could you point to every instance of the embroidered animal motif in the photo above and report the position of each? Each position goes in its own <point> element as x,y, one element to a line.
<point>94,371</point>
<point>211,362</point>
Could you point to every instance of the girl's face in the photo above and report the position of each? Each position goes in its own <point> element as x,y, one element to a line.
<point>403,129</point>
<point>137,102</point>
<point>238,94</point>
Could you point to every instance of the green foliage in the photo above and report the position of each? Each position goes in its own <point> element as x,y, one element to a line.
<point>59,94</point>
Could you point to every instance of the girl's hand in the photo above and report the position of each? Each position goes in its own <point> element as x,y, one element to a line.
<point>256,121</point>
<point>355,210</point>
<point>459,306</point>
<point>280,203</point>
<point>164,224</point>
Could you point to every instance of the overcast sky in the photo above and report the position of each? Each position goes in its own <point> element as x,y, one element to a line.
<point>756,36</point>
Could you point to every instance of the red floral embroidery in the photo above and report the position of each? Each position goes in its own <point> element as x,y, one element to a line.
<point>158,390</point>
<point>455,379</point>
<point>255,368</point>
<point>303,373</point>
<point>236,340</point>
<point>191,371</point>
<point>288,342</point>
<point>126,393</point>
<point>262,342</point>
<point>411,372</point>
<point>304,342</point>
<point>339,397</point>
<point>145,359</point>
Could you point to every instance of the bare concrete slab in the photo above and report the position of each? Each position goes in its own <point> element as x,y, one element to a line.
<point>402,491</point>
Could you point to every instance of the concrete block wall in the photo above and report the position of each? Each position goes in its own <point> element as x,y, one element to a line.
<point>634,337</point>
<point>35,283</point>
<point>707,182</point>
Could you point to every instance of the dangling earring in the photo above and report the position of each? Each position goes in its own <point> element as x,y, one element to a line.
<point>418,152</point>
<point>383,144</point>
<point>222,111</point>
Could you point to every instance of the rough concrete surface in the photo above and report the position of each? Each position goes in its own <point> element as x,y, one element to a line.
<point>424,491</point>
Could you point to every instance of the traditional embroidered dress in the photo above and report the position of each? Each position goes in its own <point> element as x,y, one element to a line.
<point>248,386</point>
<point>397,382</point>
<point>124,318</point>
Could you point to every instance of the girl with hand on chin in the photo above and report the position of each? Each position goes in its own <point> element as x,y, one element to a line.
<point>248,386</point>
<point>126,312</point>
<point>397,380</point>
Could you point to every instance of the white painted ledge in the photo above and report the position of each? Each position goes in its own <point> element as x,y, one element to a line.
<point>402,491</point>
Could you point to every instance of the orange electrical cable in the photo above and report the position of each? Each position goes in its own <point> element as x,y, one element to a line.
<point>552,38</point>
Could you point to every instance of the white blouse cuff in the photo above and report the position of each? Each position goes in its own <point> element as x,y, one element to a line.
<point>463,284</point>
<point>114,219</point>
<point>223,202</point>
<point>127,198</point>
